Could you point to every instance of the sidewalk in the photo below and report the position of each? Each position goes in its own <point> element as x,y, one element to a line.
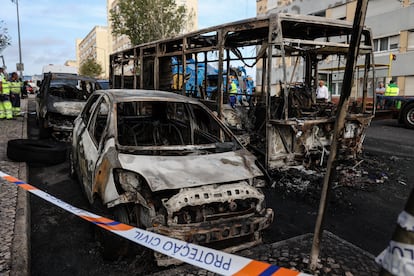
<point>337,257</point>
<point>14,207</point>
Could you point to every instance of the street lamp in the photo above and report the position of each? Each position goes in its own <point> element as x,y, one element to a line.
<point>20,65</point>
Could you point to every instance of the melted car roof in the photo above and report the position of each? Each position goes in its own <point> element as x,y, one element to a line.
<point>125,95</point>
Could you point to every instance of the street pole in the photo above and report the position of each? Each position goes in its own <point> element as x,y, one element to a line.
<point>351,60</point>
<point>18,33</point>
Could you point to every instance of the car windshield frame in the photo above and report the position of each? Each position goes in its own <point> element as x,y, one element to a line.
<point>211,144</point>
<point>71,89</point>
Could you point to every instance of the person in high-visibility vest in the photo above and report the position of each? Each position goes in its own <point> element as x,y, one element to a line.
<point>15,89</point>
<point>2,111</point>
<point>392,89</point>
<point>6,108</point>
<point>233,93</point>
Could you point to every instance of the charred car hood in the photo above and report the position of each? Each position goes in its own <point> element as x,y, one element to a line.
<point>174,172</point>
<point>65,107</point>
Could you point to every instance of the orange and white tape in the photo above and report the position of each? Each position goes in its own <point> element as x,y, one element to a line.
<point>203,257</point>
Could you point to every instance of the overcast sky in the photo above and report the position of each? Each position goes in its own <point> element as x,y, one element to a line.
<point>48,29</point>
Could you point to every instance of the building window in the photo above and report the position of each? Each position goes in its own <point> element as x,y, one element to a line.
<point>383,44</point>
<point>394,40</point>
<point>336,88</point>
<point>386,43</point>
<point>410,44</point>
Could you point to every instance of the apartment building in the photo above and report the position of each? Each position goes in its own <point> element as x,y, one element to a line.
<point>95,46</point>
<point>392,25</point>
<point>116,42</point>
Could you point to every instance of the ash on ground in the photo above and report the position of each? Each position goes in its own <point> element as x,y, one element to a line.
<point>364,173</point>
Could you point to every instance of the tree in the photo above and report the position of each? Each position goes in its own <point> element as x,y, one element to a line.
<point>4,37</point>
<point>148,20</point>
<point>90,68</point>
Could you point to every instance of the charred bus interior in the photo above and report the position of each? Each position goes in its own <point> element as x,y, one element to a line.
<point>281,117</point>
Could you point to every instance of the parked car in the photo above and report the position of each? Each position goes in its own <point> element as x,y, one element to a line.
<point>33,87</point>
<point>26,89</point>
<point>60,100</point>
<point>104,84</point>
<point>165,162</point>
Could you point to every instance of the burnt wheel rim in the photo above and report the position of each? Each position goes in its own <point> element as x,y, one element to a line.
<point>410,116</point>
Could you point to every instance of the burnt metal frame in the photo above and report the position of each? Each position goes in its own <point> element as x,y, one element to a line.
<point>284,35</point>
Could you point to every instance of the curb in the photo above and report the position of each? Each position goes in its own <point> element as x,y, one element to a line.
<point>21,240</point>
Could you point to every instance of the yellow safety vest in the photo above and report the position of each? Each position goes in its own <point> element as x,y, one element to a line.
<point>233,89</point>
<point>392,90</point>
<point>15,87</point>
<point>5,86</point>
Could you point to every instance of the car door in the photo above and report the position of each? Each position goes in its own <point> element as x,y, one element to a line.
<point>80,124</point>
<point>90,139</point>
<point>41,98</point>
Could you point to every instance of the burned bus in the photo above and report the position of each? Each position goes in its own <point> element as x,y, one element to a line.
<point>291,54</point>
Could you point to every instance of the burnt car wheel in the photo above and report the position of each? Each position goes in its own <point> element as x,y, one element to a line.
<point>114,246</point>
<point>36,151</point>
<point>44,131</point>
<point>408,116</point>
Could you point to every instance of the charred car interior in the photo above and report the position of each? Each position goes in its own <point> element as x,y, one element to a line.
<point>286,124</point>
<point>60,100</point>
<point>166,163</point>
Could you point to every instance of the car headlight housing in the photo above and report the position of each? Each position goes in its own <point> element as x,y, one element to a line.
<point>259,182</point>
<point>127,180</point>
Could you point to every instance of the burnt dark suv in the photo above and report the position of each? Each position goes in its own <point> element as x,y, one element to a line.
<point>60,100</point>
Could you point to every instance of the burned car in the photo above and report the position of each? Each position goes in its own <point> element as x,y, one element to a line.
<point>60,100</point>
<point>164,162</point>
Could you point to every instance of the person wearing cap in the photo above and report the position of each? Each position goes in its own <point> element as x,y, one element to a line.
<point>15,89</point>
<point>5,104</point>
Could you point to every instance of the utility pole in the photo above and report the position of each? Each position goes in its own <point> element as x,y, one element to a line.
<point>20,66</point>
<point>352,56</point>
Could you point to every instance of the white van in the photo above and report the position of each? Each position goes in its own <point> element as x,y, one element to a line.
<point>61,69</point>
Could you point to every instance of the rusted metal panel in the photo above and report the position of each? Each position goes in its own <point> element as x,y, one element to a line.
<point>307,142</point>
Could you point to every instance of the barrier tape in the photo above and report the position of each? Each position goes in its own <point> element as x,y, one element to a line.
<point>397,258</point>
<point>200,256</point>
<point>406,221</point>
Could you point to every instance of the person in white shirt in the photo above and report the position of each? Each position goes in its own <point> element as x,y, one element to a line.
<point>322,92</point>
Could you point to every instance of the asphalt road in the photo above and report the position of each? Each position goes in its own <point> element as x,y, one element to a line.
<point>388,137</point>
<point>62,244</point>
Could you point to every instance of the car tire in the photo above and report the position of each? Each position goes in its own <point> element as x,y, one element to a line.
<point>44,131</point>
<point>408,115</point>
<point>36,151</point>
<point>115,247</point>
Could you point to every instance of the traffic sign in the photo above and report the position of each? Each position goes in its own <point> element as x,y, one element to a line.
<point>20,66</point>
